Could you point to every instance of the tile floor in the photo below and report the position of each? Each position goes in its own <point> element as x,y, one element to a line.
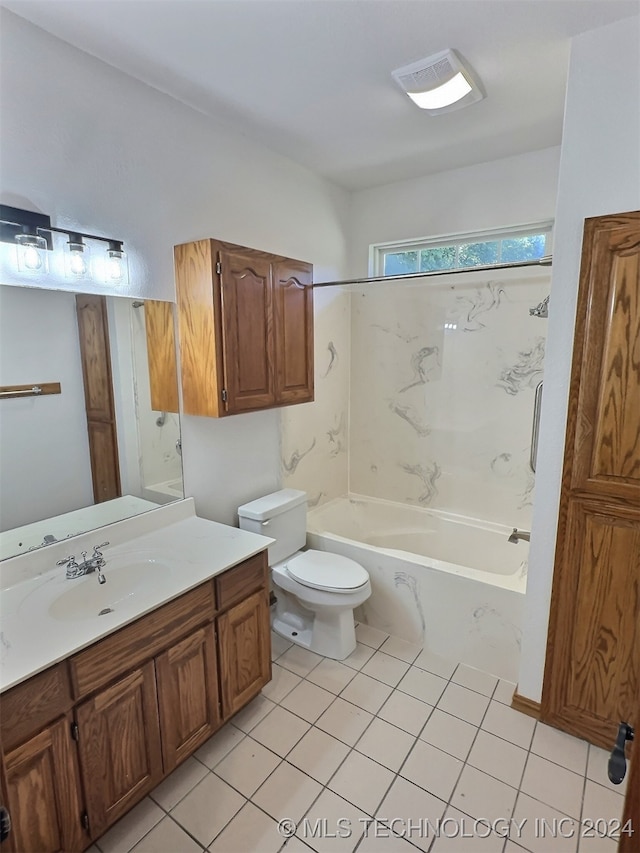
<point>392,750</point>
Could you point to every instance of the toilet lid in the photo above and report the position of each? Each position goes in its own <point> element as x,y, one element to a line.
<point>320,570</point>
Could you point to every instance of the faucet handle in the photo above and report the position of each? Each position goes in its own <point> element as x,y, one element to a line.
<point>70,561</point>
<point>97,552</point>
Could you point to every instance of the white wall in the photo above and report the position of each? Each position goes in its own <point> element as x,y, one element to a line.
<point>504,192</point>
<point>100,151</point>
<point>599,174</point>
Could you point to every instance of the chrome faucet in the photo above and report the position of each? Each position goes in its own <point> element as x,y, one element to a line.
<point>519,534</point>
<point>95,563</point>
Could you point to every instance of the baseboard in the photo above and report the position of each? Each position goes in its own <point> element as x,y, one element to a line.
<point>526,706</point>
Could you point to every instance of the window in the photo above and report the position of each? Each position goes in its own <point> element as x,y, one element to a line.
<point>463,251</point>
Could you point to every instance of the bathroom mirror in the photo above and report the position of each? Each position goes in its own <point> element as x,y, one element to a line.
<point>69,462</point>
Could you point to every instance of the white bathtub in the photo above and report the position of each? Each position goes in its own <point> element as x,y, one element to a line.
<point>452,584</point>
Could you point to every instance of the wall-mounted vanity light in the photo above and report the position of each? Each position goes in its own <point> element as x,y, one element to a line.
<point>34,238</point>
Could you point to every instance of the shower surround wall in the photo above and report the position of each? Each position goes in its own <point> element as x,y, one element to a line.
<point>443,375</point>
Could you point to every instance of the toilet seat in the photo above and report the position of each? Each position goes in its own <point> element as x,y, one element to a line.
<point>331,572</point>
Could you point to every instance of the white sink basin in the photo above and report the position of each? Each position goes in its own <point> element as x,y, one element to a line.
<point>85,598</point>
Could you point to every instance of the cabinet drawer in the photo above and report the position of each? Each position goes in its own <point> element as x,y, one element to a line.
<point>140,641</point>
<point>236,584</point>
<point>28,707</point>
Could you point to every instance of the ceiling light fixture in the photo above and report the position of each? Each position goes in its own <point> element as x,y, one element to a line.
<point>34,237</point>
<point>440,83</point>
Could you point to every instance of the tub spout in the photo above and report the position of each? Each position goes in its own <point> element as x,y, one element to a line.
<point>519,534</point>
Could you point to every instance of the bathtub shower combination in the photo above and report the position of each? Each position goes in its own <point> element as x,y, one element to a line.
<point>441,383</point>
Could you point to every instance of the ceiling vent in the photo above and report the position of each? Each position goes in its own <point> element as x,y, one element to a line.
<point>440,83</point>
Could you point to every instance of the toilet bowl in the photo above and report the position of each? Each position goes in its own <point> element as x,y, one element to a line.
<point>316,591</point>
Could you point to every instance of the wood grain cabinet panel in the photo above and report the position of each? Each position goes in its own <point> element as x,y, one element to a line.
<point>245,327</point>
<point>161,355</point>
<point>119,742</point>
<point>244,650</point>
<point>188,695</point>
<point>43,788</point>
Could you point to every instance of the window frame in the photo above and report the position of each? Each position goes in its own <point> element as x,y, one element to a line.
<point>378,251</point>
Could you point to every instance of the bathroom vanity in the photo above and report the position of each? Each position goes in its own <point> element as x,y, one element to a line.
<point>105,693</point>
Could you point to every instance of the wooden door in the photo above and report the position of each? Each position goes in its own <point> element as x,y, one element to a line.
<point>592,672</point>
<point>244,649</point>
<point>293,316</point>
<point>119,742</point>
<point>247,330</point>
<point>188,695</point>
<point>43,788</point>
<point>93,330</point>
<point>161,355</point>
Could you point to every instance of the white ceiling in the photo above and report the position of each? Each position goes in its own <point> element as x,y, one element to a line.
<point>311,79</point>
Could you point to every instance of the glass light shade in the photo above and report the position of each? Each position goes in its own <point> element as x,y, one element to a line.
<point>442,96</point>
<point>116,267</point>
<point>33,257</point>
<point>77,259</point>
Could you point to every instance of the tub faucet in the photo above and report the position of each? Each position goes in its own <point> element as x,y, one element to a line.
<point>519,534</point>
<point>95,563</point>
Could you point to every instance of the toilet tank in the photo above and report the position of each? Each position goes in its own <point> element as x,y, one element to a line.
<point>281,515</point>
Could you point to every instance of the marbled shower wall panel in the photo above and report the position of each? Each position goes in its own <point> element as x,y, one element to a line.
<point>315,435</point>
<point>442,391</point>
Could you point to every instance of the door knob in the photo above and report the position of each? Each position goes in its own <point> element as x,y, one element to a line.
<point>617,761</point>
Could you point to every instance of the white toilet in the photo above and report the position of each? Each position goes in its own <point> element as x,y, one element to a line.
<point>316,591</point>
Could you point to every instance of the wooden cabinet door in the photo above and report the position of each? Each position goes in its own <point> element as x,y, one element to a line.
<point>119,742</point>
<point>161,355</point>
<point>293,317</point>
<point>592,672</point>
<point>247,330</point>
<point>43,788</point>
<point>244,651</point>
<point>188,695</point>
<point>93,331</point>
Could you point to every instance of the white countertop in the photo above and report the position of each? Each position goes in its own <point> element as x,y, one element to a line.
<point>181,550</point>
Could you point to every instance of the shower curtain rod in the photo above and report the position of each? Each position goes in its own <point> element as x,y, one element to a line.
<point>540,262</point>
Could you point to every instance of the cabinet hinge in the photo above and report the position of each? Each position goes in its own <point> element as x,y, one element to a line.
<point>84,820</point>
<point>224,395</point>
<point>75,732</point>
<point>218,267</point>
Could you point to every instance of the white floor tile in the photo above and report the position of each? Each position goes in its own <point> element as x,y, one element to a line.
<point>366,692</point>
<point>287,793</point>
<point>406,712</point>
<point>432,769</point>
<point>386,744</point>
<point>251,715</point>
<point>179,783</point>
<point>319,755</point>
<point>474,679</point>
<point>344,721</point>
<point>539,828</point>
<point>602,804</point>
<point>197,815</point>
<point>370,636</point>
<point>126,833</point>
<point>219,745</point>
<point>504,692</point>
<point>361,781</point>
<point>553,785</point>
<point>591,842</point>
<point>282,682</point>
<point>167,837</point>
<point>331,675</point>
<point>299,661</point>
<point>498,758</point>
<point>247,766</point>
<point>560,747</point>
<point>597,770</point>
<point>278,645</point>
<point>332,824</point>
<point>511,725</point>
<point>434,663</point>
<point>410,806</point>
<point>483,797</point>
<point>379,838</point>
<point>308,701</point>
<point>249,830</point>
<point>407,652</point>
<point>280,731</point>
<point>359,656</point>
<point>385,668</point>
<point>449,733</point>
<point>423,685</point>
<point>461,834</point>
<point>463,703</point>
